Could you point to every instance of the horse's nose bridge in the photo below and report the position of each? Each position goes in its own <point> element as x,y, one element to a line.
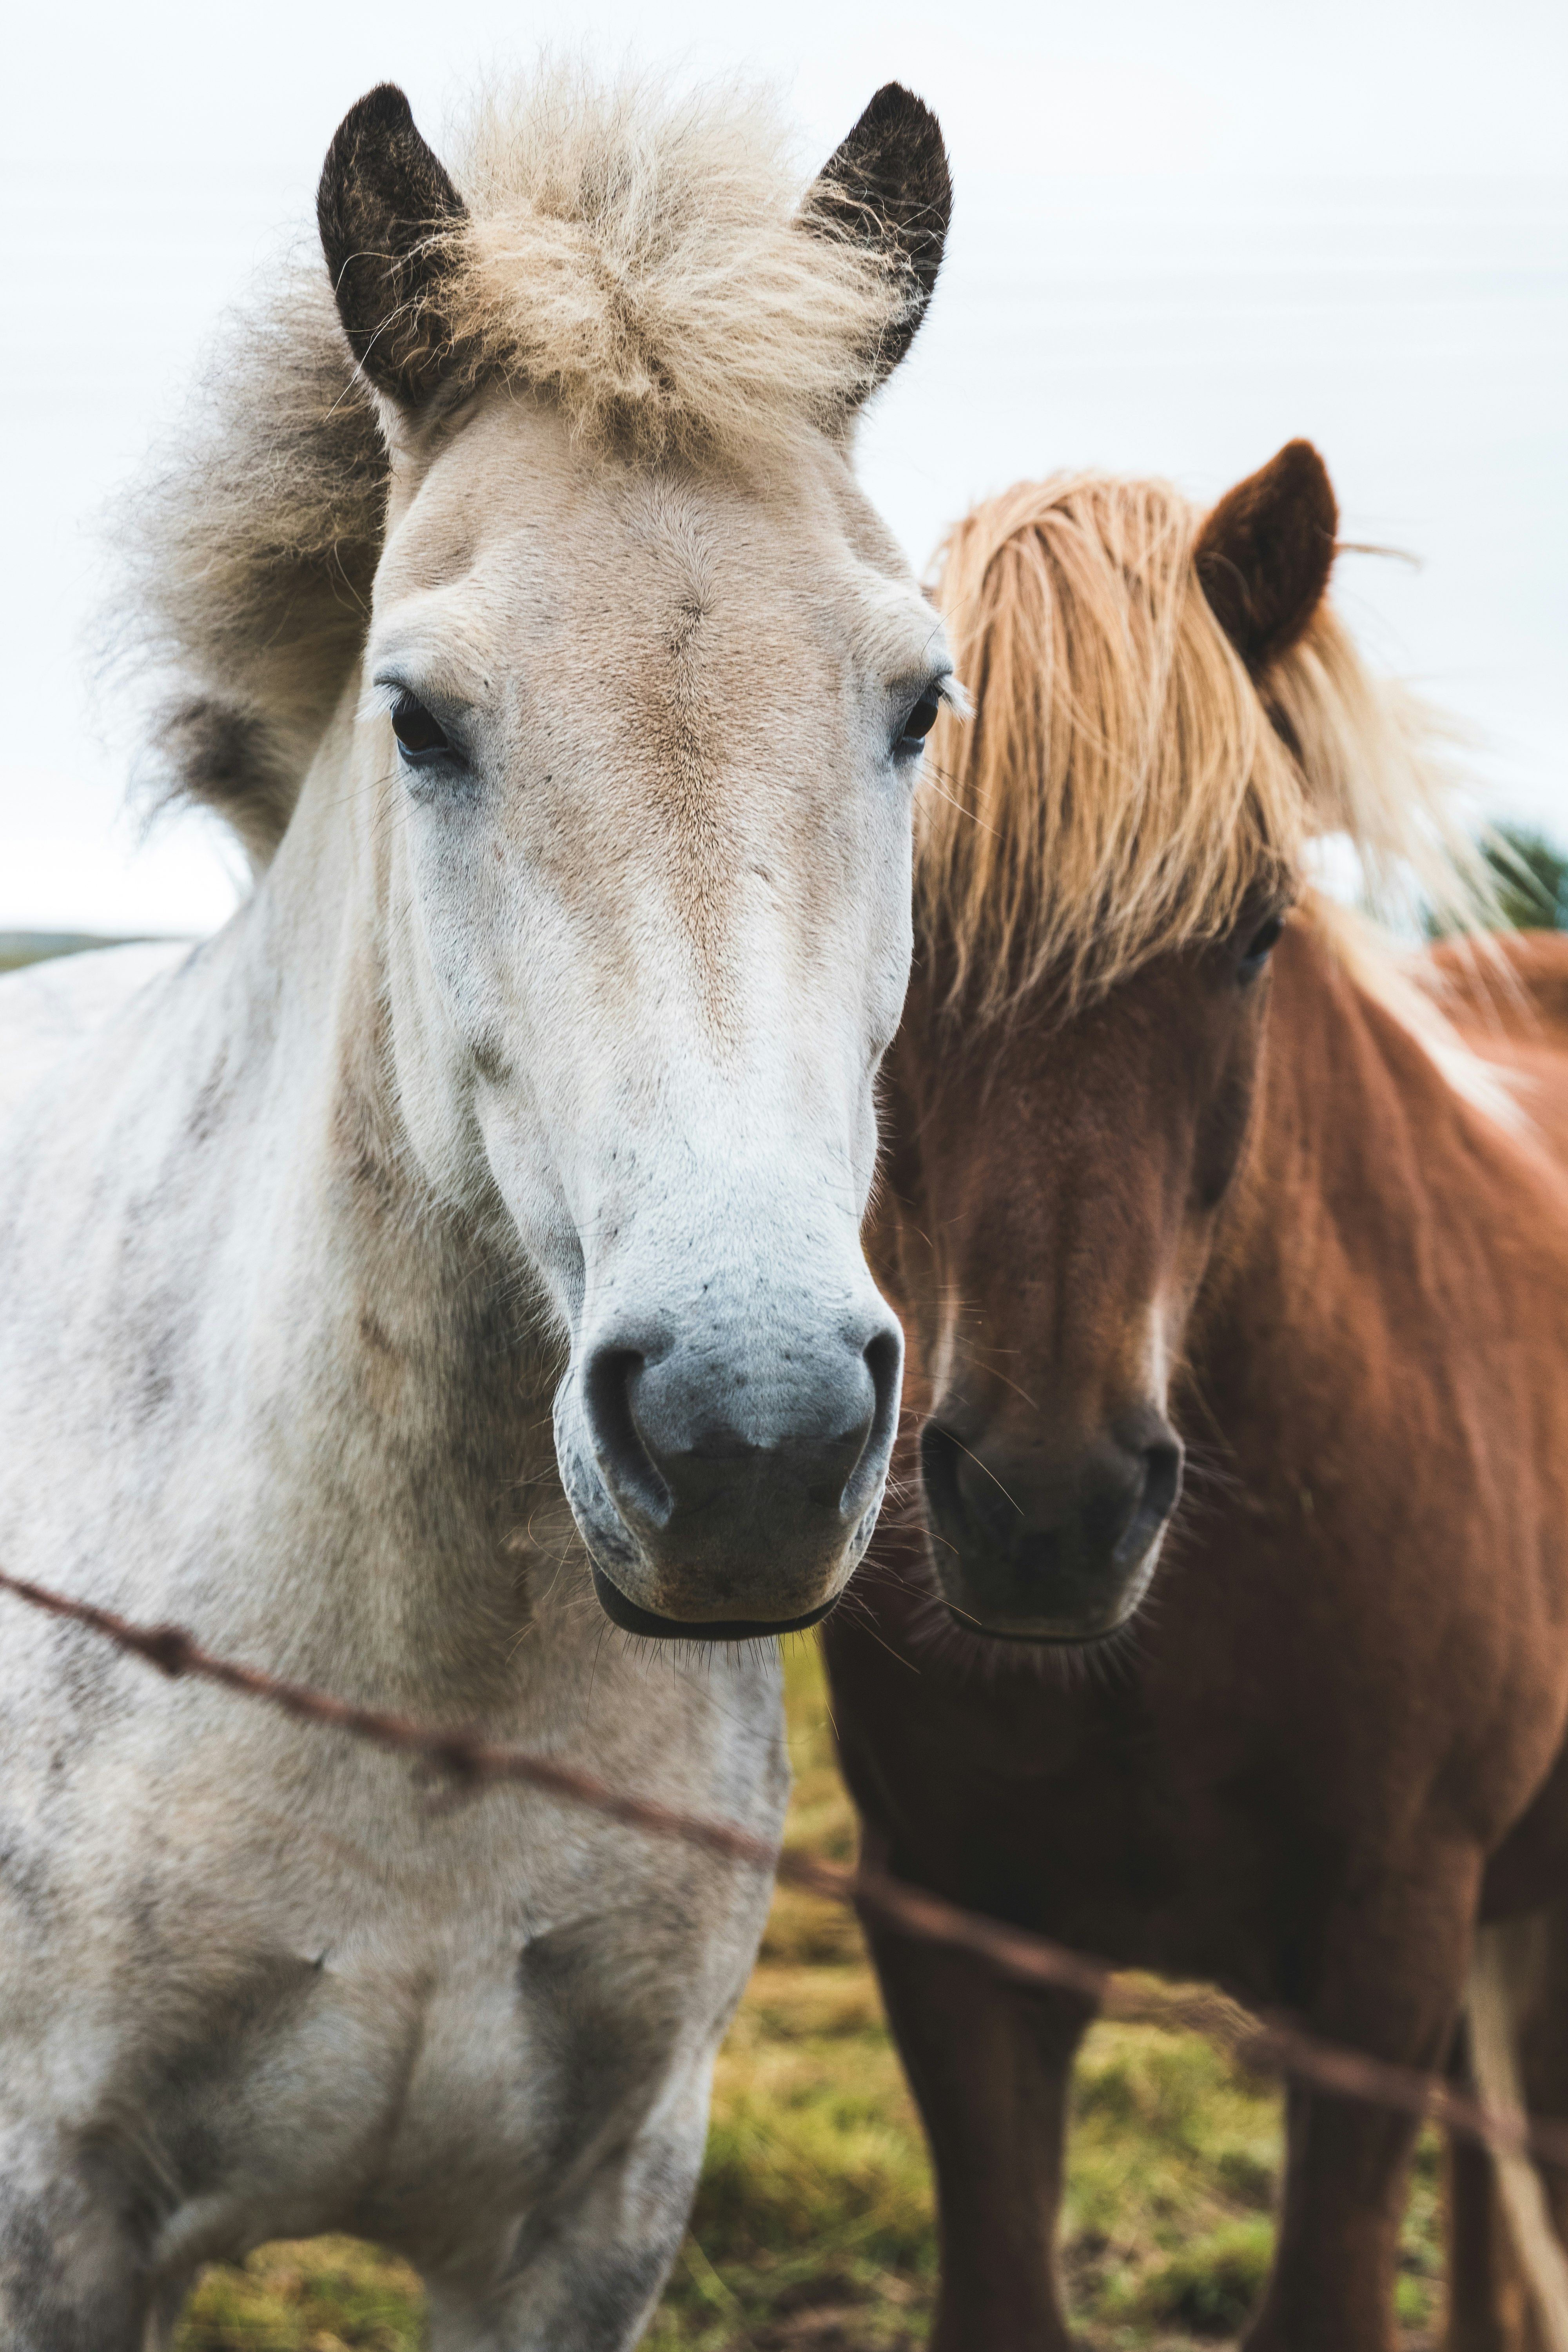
<point>1049,1373</point>
<point>750,1352</point>
<point>1050,1275</point>
<point>743,1318</point>
<point>1021,1470</point>
<point>1050,1420</point>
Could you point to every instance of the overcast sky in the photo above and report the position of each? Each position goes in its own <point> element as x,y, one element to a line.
<point>1185,232</point>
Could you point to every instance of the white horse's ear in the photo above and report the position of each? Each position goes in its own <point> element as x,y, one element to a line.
<point>387,209</point>
<point>1264,555</point>
<point>888,187</point>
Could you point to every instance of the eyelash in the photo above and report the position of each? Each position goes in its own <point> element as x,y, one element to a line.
<point>420,735</point>
<point>909,743</point>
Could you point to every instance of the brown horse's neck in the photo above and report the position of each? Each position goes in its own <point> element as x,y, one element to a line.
<point>1364,1198</point>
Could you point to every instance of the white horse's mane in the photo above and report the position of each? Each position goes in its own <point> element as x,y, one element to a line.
<point>633,257</point>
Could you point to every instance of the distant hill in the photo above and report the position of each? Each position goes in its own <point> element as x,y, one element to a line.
<point>17,948</point>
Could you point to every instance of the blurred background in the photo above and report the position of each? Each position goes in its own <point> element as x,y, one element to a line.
<point>1184,233</point>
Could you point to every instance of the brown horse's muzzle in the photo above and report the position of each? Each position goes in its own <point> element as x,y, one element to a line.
<point>1036,1550</point>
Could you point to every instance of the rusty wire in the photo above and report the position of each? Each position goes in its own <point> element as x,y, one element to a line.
<point>1263,2045</point>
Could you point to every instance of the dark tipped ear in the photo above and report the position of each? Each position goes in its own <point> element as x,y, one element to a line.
<point>889,187</point>
<point>1264,555</point>
<point>383,205</point>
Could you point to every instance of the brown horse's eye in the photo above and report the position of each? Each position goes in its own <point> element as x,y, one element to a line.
<point>1261,947</point>
<point>420,733</point>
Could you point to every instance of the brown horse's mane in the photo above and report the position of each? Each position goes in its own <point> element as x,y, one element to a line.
<point>630,257</point>
<point>1125,786</point>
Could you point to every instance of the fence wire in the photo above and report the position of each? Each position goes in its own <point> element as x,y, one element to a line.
<point>1266,2044</point>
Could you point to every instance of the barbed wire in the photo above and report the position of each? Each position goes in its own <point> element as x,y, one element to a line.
<point>1263,2044</point>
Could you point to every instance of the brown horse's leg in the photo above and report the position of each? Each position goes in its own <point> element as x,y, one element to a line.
<point>1332,2284</point>
<point>1544,2057</point>
<point>991,2067</point>
<point>1539,1967</point>
<point>1391,1984</point>
<point>1491,2298</point>
<point>1486,2300</point>
<point>1486,2306</point>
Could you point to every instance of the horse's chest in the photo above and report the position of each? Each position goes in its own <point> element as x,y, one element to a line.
<point>1085,1814</point>
<point>417,2086</point>
<point>339,2007</point>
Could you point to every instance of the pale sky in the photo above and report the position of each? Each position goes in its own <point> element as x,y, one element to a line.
<point>1184,233</point>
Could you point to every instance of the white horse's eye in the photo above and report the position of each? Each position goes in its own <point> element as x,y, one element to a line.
<point>418,730</point>
<point>917,725</point>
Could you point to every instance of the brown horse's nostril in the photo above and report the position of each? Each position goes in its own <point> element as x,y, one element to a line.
<point>1162,1487</point>
<point>940,1453</point>
<point>1050,1547</point>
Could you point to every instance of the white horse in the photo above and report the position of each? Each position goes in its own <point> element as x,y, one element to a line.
<point>569,696</point>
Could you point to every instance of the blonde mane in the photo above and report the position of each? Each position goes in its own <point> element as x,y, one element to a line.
<point>634,259</point>
<point>1124,785</point>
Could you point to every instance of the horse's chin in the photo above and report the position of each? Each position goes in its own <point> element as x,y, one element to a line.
<point>623,1564</point>
<point>1041,1637</point>
<point>632,1619</point>
<point>1083,1626</point>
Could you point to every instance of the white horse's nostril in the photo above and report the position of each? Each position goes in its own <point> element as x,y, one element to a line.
<point>690,1434</point>
<point>628,1469</point>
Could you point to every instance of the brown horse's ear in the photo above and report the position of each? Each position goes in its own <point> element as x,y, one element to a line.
<point>888,188</point>
<point>1264,555</point>
<point>385,208</point>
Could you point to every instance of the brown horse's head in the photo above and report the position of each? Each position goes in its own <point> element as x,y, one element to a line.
<point>1070,1094</point>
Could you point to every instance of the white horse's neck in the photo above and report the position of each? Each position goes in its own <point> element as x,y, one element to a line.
<point>352,1376</point>
<point>254,1381</point>
<point>417,1370</point>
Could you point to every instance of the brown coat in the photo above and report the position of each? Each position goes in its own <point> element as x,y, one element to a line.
<point>1329,1739</point>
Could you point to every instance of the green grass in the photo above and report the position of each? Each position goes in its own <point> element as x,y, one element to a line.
<point>312,2297</point>
<point>813,2227</point>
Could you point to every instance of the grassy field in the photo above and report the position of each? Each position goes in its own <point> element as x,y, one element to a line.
<point>814,2228</point>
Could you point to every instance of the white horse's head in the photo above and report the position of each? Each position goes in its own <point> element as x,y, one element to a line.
<point>649,684</point>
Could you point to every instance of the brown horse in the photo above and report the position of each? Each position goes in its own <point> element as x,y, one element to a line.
<point>1233,1250</point>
